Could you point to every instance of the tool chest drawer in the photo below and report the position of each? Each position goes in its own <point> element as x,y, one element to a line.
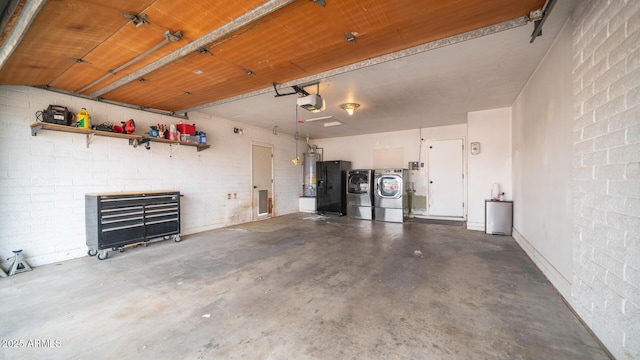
<point>116,220</point>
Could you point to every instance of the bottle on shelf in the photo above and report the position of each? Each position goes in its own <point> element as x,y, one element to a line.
<point>83,119</point>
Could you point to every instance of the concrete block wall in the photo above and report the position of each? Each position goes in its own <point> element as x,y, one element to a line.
<point>44,178</point>
<point>606,172</point>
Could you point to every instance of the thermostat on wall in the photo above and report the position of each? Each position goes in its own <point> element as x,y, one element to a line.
<point>475,148</point>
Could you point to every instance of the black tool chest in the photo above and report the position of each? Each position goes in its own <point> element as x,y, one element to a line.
<point>118,220</point>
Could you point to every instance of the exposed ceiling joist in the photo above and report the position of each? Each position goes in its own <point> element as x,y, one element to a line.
<point>244,20</point>
<point>26,17</point>
<point>169,37</point>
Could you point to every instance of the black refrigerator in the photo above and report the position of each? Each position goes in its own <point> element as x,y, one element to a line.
<point>331,182</point>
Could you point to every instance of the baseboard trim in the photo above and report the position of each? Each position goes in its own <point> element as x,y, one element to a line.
<point>475,226</point>
<point>431,217</point>
<point>561,283</point>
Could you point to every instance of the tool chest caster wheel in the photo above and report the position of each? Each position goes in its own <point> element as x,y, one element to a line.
<point>92,252</point>
<point>177,238</point>
<point>103,255</point>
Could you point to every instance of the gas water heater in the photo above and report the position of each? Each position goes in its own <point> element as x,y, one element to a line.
<point>309,173</point>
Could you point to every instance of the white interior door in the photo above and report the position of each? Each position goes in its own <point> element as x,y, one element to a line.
<point>262,175</point>
<point>446,178</point>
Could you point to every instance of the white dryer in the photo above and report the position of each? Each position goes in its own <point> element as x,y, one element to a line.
<point>390,202</point>
<point>360,194</point>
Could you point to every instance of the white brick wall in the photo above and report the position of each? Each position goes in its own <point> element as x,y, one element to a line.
<point>606,188</point>
<point>43,179</point>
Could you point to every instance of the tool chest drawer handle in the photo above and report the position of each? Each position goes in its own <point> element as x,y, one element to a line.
<point>123,227</point>
<point>161,221</point>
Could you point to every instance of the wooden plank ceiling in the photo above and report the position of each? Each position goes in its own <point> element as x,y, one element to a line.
<point>297,40</point>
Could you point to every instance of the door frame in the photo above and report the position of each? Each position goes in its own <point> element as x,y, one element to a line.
<point>254,213</point>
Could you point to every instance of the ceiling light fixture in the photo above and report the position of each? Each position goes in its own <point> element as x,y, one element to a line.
<point>350,107</point>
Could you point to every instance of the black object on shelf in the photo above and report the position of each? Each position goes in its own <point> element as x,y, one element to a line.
<point>119,220</point>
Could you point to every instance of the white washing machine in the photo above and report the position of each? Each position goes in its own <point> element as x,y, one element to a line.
<point>390,202</point>
<point>360,194</point>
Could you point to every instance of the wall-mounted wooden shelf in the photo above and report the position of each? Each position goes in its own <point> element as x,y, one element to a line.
<point>200,147</point>
<point>133,139</point>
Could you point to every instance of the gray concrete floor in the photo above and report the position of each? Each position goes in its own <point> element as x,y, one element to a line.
<point>299,286</point>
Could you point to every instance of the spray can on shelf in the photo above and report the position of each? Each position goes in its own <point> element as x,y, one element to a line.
<point>83,119</point>
<point>173,133</point>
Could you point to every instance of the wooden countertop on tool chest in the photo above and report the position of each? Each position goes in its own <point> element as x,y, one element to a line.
<point>124,193</point>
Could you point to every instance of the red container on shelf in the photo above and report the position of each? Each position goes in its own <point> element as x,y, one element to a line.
<point>186,129</point>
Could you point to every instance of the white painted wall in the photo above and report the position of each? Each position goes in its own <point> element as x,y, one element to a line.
<point>492,129</point>
<point>43,179</point>
<point>542,162</point>
<point>577,169</point>
<point>362,150</point>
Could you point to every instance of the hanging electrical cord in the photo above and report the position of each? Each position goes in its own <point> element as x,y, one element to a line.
<point>297,158</point>
<point>420,150</point>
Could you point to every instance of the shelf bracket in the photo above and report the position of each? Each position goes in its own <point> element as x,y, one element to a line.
<point>89,138</point>
<point>35,129</point>
<point>172,147</point>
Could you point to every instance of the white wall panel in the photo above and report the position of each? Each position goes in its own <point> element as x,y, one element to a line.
<point>492,129</point>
